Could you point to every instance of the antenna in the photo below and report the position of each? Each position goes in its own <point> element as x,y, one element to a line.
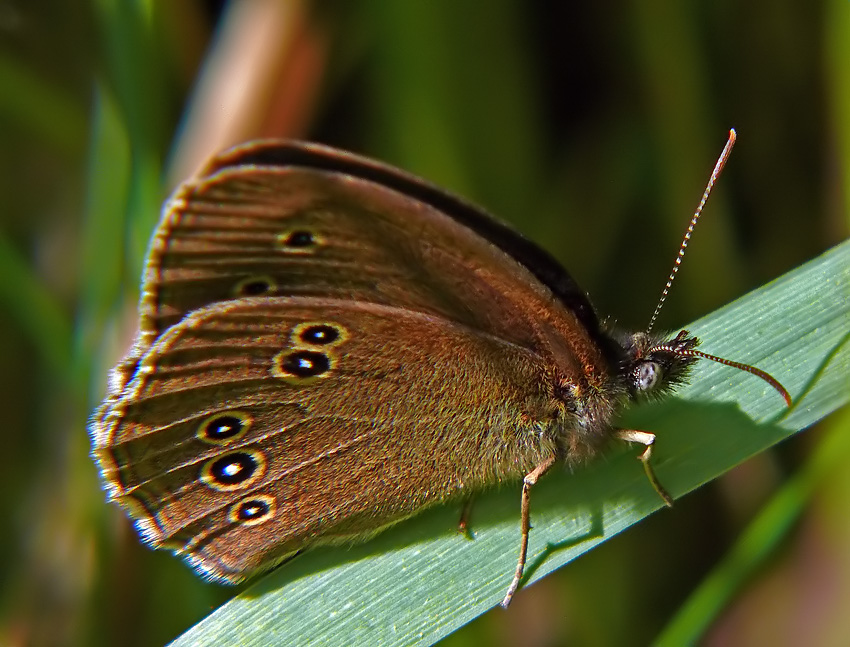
<point>718,167</point>
<point>690,352</point>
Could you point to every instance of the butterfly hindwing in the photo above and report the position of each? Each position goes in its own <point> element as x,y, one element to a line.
<point>268,404</point>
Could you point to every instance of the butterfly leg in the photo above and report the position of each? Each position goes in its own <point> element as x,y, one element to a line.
<point>529,480</point>
<point>463,523</point>
<point>647,439</point>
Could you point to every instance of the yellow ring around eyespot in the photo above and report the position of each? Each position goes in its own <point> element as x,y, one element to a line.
<point>297,380</point>
<point>237,290</point>
<point>315,242</point>
<point>210,480</point>
<point>233,513</point>
<point>245,418</point>
<point>300,328</point>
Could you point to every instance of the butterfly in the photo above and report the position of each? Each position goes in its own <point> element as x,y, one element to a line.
<point>328,345</point>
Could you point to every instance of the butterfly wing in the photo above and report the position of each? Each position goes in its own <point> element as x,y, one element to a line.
<point>258,426</point>
<point>439,336</point>
<point>293,218</point>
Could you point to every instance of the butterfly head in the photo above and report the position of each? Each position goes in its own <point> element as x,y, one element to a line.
<point>653,367</point>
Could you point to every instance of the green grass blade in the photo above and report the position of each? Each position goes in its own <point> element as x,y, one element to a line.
<point>420,581</point>
<point>102,259</point>
<point>136,76</point>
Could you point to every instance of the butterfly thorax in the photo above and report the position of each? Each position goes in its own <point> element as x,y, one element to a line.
<point>636,366</point>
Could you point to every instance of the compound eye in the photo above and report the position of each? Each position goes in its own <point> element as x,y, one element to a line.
<point>647,375</point>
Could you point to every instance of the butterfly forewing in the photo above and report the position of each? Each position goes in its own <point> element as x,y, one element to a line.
<point>250,230</point>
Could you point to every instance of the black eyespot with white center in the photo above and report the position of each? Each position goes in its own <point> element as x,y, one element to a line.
<point>318,335</point>
<point>224,428</point>
<point>233,470</point>
<point>252,510</point>
<point>302,364</point>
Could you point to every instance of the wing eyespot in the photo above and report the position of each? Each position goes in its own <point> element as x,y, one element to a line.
<point>301,365</point>
<point>299,241</point>
<point>234,470</point>
<point>252,510</point>
<point>318,334</point>
<point>225,427</point>
<point>254,286</point>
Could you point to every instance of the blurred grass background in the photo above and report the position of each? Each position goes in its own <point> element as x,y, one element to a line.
<point>591,128</point>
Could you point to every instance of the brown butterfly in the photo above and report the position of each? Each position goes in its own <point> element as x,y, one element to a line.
<point>329,345</point>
